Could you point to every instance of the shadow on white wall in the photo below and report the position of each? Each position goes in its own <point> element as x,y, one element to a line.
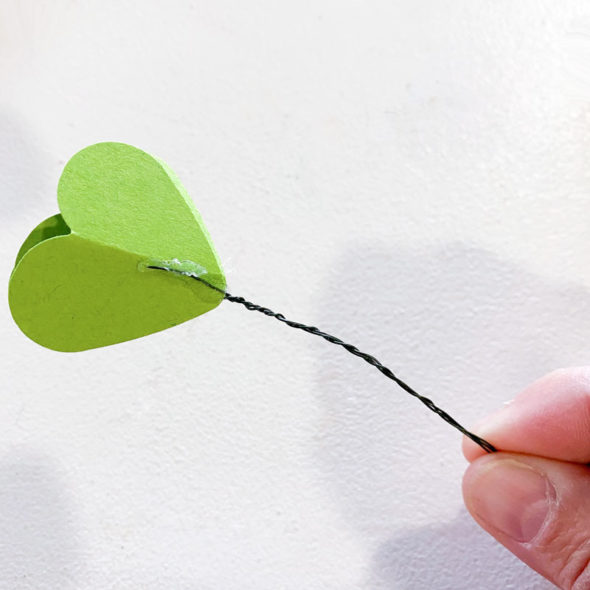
<point>25,174</point>
<point>465,328</point>
<point>39,535</point>
<point>488,567</point>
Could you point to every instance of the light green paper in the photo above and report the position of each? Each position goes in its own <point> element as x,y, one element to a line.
<point>80,280</point>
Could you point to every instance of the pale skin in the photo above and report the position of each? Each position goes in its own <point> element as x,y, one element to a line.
<point>534,495</point>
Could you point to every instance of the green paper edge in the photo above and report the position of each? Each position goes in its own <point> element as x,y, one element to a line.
<point>53,226</point>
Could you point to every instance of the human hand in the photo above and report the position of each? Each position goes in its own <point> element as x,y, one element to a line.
<point>534,496</point>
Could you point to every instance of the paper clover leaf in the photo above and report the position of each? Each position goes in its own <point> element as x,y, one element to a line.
<point>80,278</point>
<point>92,276</point>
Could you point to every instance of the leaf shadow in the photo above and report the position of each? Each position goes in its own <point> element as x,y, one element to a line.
<point>24,170</point>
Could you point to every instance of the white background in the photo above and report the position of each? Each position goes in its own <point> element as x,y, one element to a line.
<point>411,175</point>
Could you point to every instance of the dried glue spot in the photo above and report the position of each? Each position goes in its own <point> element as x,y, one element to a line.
<point>184,267</point>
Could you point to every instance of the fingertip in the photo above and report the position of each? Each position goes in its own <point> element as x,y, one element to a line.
<point>471,450</point>
<point>474,468</point>
<point>550,418</point>
<point>473,473</point>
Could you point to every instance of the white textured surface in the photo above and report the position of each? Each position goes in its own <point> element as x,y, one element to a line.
<point>413,176</point>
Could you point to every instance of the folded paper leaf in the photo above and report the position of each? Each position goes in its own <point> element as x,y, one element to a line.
<point>80,279</point>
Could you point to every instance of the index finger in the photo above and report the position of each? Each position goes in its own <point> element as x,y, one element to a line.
<point>550,418</point>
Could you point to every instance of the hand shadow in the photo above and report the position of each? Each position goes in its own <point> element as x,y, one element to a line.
<point>468,330</point>
<point>489,567</point>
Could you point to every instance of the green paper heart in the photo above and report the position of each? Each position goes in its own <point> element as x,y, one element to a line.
<point>80,279</point>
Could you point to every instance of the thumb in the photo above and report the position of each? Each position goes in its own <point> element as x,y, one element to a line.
<point>539,509</point>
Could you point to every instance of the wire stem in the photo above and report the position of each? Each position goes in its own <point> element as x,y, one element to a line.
<point>484,444</point>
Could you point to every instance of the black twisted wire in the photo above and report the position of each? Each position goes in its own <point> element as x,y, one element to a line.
<point>484,444</point>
